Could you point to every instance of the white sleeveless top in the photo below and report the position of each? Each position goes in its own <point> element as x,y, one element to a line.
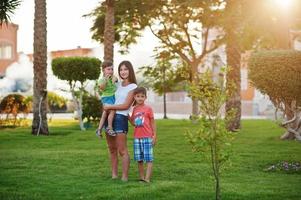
<point>121,95</point>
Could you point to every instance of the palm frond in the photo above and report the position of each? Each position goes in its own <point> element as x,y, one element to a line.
<point>7,7</point>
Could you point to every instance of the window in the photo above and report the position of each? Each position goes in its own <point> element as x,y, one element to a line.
<point>6,51</point>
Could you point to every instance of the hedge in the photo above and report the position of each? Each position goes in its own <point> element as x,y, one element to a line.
<point>277,73</point>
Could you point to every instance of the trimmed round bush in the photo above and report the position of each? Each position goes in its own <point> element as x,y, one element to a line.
<point>278,74</point>
<point>76,68</point>
<point>14,104</point>
<point>76,71</point>
<point>56,103</point>
<point>11,106</point>
<point>92,109</point>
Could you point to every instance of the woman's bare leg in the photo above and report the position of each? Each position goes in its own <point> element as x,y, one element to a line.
<point>111,141</point>
<point>123,151</point>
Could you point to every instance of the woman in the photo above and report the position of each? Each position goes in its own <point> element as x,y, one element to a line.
<point>124,98</point>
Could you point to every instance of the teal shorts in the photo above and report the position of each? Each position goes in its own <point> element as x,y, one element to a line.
<point>108,100</point>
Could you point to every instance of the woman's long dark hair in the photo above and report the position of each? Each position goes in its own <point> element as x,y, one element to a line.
<point>128,64</point>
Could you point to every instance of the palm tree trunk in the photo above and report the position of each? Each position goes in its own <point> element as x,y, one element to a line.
<point>109,33</point>
<point>233,75</point>
<point>39,123</point>
<point>233,103</point>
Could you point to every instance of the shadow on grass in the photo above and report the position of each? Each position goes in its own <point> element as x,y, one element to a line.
<point>274,196</point>
<point>60,133</point>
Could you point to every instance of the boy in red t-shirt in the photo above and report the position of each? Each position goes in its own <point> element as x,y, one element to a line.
<point>144,134</point>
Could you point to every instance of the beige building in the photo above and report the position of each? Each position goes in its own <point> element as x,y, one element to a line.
<point>68,53</point>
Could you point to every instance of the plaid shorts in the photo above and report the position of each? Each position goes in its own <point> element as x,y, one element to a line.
<point>143,149</point>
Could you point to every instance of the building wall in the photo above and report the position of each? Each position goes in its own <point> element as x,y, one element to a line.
<point>180,103</point>
<point>67,53</point>
<point>247,90</point>
<point>8,46</point>
<point>71,52</point>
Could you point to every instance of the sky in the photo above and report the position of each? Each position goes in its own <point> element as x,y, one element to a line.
<point>67,29</point>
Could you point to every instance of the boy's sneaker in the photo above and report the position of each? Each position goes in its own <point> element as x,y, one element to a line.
<point>110,132</point>
<point>98,133</point>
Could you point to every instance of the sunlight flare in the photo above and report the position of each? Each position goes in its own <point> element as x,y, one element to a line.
<point>285,4</point>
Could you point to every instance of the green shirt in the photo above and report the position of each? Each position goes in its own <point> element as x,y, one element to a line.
<point>110,87</point>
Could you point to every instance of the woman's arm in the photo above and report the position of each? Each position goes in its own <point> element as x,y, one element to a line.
<point>131,119</point>
<point>126,105</point>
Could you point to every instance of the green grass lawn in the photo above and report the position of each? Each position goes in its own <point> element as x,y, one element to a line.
<point>70,164</point>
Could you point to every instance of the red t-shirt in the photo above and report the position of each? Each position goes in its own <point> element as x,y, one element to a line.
<point>141,117</point>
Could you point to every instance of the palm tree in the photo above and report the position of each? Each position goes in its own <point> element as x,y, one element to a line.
<point>233,53</point>
<point>39,123</point>
<point>7,7</point>
<point>109,33</point>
